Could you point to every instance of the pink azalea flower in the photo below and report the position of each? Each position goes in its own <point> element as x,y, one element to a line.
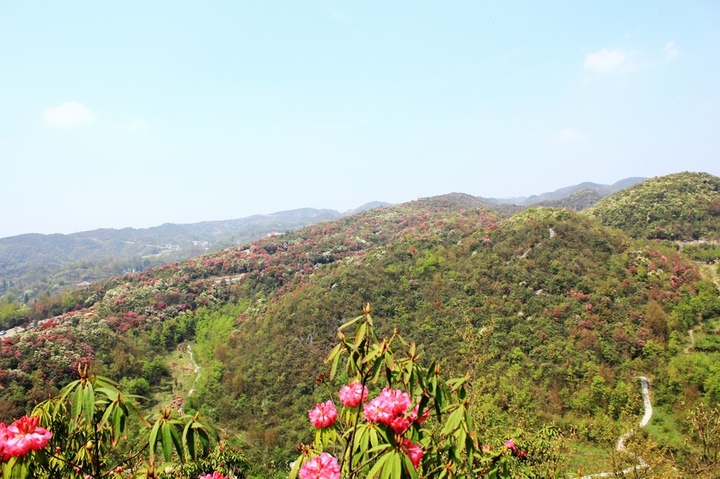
<point>399,401</point>
<point>399,424</point>
<point>353,394</point>
<point>22,436</point>
<point>413,451</point>
<point>375,411</point>
<point>323,466</point>
<point>390,408</point>
<point>323,415</point>
<point>4,436</point>
<point>214,475</point>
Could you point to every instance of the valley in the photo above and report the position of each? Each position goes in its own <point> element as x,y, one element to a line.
<point>557,318</point>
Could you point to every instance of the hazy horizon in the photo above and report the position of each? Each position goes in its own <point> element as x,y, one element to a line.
<point>137,114</point>
<point>302,207</point>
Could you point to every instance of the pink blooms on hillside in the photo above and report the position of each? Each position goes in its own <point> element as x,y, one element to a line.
<point>323,466</point>
<point>323,415</point>
<point>21,437</point>
<point>353,394</point>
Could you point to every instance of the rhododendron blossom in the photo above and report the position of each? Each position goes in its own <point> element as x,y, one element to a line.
<point>391,408</point>
<point>353,394</point>
<point>4,436</point>
<point>214,475</point>
<point>323,466</point>
<point>413,451</point>
<point>323,415</point>
<point>22,436</point>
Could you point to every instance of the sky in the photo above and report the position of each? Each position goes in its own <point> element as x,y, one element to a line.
<point>117,114</point>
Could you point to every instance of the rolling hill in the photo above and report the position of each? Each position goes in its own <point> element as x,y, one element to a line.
<point>551,313</point>
<point>682,206</point>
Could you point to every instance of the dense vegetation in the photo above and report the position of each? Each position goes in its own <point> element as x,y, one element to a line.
<point>683,206</point>
<point>550,313</point>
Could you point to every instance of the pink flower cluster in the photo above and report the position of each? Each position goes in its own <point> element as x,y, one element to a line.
<point>391,408</point>
<point>214,475</point>
<point>21,437</point>
<point>353,394</point>
<point>323,415</point>
<point>323,466</point>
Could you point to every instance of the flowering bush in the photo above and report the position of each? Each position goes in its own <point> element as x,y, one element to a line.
<point>87,420</point>
<point>387,435</point>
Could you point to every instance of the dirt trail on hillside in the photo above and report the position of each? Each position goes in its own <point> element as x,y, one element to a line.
<point>197,370</point>
<point>692,341</point>
<point>641,464</point>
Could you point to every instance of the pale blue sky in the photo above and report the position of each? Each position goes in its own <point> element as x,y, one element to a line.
<point>117,114</point>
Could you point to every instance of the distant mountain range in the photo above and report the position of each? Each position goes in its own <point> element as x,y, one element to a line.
<point>562,193</point>
<point>34,264</point>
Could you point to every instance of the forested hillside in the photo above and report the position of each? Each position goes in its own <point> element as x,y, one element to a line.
<point>683,206</point>
<point>32,265</point>
<point>551,315</point>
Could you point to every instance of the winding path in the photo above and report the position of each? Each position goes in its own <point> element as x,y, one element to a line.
<point>645,386</point>
<point>197,370</point>
<point>692,342</point>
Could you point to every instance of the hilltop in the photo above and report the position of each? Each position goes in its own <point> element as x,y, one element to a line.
<point>682,206</point>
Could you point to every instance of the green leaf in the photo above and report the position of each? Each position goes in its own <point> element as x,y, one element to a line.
<point>350,323</point>
<point>89,403</point>
<point>360,334</point>
<point>335,352</point>
<point>118,426</point>
<point>394,465</point>
<point>110,410</point>
<point>165,438</point>
<point>378,466</point>
<point>189,438</point>
<point>409,467</point>
<point>68,389</point>
<point>7,467</point>
<point>335,362</point>
<point>377,367</point>
<point>453,421</point>
<point>204,440</point>
<point>154,437</point>
<point>112,394</point>
<point>177,442</point>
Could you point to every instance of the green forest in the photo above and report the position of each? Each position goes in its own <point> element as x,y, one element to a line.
<point>524,334</point>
